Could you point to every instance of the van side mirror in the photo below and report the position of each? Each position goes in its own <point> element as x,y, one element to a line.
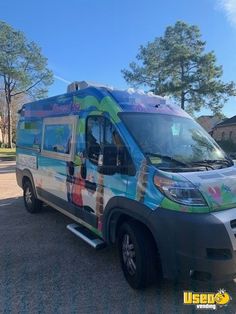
<point>107,161</point>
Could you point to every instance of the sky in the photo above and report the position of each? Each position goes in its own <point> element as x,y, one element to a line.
<point>94,39</point>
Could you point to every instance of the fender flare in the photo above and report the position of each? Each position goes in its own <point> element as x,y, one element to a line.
<point>26,173</point>
<point>152,219</point>
<point>118,206</point>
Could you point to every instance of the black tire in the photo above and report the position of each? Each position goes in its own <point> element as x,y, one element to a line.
<point>144,254</point>
<point>32,204</point>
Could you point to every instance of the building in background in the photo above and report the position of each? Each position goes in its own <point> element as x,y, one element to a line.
<point>209,122</point>
<point>225,131</point>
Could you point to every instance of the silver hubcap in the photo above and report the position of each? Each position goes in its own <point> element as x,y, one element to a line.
<point>128,254</point>
<point>28,196</point>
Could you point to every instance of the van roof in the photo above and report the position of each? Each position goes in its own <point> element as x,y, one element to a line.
<point>125,100</point>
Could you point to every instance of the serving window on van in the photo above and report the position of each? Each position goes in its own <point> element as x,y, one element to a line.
<point>58,137</point>
<point>29,134</point>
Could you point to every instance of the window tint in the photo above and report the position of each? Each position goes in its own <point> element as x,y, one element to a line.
<point>94,137</point>
<point>111,136</point>
<point>29,134</point>
<point>109,132</point>
<point>178,137</point>
<point>57,138</point>
<point>101,132</point>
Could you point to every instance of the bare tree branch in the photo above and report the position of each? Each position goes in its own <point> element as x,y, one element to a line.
<point>27,89</point>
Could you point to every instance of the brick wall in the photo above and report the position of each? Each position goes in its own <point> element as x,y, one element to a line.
<point>208,122</point>
<point>226,130</point>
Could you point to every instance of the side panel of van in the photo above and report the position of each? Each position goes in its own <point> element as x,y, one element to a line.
<point>60,184</point>
<point>29,135</point>
<point>57,149</point>
<point>55,134</point>
<point>99,188</point>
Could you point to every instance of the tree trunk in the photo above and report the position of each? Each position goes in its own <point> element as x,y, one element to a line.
<point>182,86</point>
<point>182,100</point>
<point>3,130</point>
<point>9,126</point>
<point>7,88</point>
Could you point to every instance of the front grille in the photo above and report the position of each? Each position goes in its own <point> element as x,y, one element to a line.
<point>228,219</point>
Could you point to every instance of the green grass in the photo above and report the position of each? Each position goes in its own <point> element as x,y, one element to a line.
<point>8,152</point>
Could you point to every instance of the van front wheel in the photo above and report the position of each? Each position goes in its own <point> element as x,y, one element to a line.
<point>32,204</point>
<point>138,255</point>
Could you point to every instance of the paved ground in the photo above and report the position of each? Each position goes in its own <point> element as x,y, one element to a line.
<point>46,269</point>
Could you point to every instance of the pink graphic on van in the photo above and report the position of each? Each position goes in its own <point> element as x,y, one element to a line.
<point>215,193</point>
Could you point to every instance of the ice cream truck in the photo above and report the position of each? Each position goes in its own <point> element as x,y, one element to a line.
<point>131,169</point>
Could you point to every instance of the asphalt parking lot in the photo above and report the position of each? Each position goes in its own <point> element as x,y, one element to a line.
<point>46,269</point>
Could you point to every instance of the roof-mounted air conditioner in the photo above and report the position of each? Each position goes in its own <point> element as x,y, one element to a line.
<point>78,85</point>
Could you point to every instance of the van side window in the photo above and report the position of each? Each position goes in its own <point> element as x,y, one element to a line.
<point>29,134</point>
<point>101,132</point>
<point>112,137</point>
<point>109,132</point>
<point>57,138</point>
<point>94,137</point>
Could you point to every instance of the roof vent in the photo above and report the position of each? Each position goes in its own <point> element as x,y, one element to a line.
<point>78,85</point>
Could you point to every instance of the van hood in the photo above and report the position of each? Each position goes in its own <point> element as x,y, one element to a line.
<point>217,186</point>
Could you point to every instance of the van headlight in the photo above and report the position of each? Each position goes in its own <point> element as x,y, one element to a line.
<point>183,192</point>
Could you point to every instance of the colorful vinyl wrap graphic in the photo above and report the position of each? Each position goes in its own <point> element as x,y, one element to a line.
<point>51,142</point>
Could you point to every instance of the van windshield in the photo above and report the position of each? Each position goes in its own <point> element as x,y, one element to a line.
<point>173,139</point>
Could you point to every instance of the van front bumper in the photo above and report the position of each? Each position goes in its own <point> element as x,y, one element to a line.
<point>198,246</point>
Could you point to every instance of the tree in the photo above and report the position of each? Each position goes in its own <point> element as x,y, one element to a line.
<point>3,118</point>
<point>16,103</point>
<point>176,65</point>
<point>23,69</point>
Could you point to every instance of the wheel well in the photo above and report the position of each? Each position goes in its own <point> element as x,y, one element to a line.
<point>124,218</point>
<point>24,180</point>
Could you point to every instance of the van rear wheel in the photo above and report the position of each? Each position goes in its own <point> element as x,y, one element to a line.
<point>32,204</point>
<point>138,255</point>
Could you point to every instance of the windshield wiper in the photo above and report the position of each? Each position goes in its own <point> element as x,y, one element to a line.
<point>181,163</point>
<point>220,161</point>
<point>203,163</point>
<point>209,162</point>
